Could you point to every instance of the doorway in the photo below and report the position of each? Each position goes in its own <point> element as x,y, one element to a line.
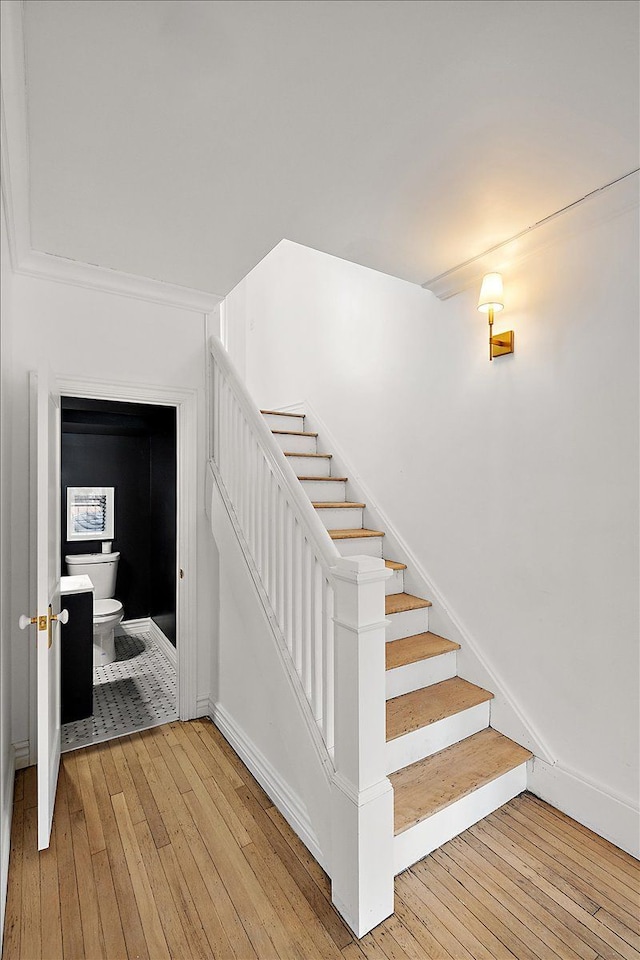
<point>124,453</point>
<point>185,401</point>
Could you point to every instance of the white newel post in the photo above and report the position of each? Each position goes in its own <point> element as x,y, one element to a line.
<point>362,795</point>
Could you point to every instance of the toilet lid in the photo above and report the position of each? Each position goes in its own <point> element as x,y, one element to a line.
<point>106,608</point>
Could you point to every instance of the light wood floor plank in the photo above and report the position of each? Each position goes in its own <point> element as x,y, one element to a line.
<point>434,915</point>
<point>561,866</point>
<point>30,930</point>
<point>72,939</point>
<point>13,908</point>
<point>192,861</point>
<point>606,845</point>
<point>89,911</point>
<point>465,852</point>
<point>112,933</point>
<point>126,901</point>
<point>594,849</point>
<point>147,908</point>
<point>603,879</point>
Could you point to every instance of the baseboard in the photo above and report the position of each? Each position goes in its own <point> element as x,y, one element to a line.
<point>163,642</point>
<point>21,752</point>
<point>610,816</point>
<point>5,832</point>
<point>126,627</point>
<point>287,802</point>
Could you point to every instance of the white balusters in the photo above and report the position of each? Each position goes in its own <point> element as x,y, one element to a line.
<point>289,546</point>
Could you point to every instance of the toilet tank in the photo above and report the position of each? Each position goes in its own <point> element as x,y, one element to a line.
<point>101,568</point>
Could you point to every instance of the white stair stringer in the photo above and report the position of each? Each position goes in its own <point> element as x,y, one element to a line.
<point>428,740</point>
<point>418,841</point>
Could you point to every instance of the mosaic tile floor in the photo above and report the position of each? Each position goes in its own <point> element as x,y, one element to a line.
<point>136,691</point>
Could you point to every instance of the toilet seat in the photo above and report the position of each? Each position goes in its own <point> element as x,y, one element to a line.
<point>102,609</point>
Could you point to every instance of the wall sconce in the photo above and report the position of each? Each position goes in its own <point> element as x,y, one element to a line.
<point>491,301</point>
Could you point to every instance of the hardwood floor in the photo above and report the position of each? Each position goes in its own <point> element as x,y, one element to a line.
<point>164,846</point>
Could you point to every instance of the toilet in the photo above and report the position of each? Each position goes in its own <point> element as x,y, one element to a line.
<point>101,568</point>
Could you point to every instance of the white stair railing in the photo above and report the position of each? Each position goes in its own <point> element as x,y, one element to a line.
<point>290,547</point>
<point>315,594</point>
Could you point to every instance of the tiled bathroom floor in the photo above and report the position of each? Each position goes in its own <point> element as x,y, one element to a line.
<point>136,691</point>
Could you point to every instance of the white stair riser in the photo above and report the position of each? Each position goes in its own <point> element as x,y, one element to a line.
<point>341,518</point>
<point>395,583</point>
<point>407,624</point>
<point>294,444</point>
<point>276,422</point>
<point>429,740</point>
<point>359,546</point>
<point>330,491</point>
<point>424,673</point>
<point>310,466</point>
<point>417,842</point>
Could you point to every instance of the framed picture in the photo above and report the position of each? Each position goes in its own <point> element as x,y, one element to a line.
<point>90,513</point>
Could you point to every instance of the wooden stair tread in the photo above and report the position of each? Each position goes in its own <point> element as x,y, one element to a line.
<point>421,646</point>
<point>354,534</point>
<point>329,479</point>
<point>430,785</point>
<point>417,709</point>
<point>394,565</point>
<point>400,602</point>
<point>292,453</point>
<point>294,433</point>
<point>281,413</point>
<point>336,505</point>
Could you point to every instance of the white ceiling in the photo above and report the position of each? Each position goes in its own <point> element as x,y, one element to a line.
<point>182,139</point>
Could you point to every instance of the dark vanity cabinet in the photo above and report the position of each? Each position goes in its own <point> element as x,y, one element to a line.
<point>77,658</point>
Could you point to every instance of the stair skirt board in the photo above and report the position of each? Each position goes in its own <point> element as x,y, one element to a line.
<point>407,623</point>
<point>420,673</point>
<point>417,842</point>
<point>286,800</point>
<point>428,740</point>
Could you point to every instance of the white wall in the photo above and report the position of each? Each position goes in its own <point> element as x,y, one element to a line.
<point>6,750</point>
<point>254,704</point>
<point>514,483</point>
<point>82,332</point>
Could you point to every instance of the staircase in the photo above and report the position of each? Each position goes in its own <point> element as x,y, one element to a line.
<point>447,766</point>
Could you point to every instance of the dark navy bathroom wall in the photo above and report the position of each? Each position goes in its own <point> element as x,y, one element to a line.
<point>131,447</point>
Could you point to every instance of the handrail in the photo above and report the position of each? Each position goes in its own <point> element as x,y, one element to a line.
<point>327,551</point>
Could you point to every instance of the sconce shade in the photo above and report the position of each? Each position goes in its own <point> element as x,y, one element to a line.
<point>491,295</point>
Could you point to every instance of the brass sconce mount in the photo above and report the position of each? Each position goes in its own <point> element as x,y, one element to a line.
<point>490,302</point>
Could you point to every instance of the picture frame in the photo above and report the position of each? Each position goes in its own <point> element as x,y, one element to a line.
<point>90,513</point>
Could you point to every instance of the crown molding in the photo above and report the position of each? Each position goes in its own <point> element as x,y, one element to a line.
<point>14,159</point>
<point>46,266</point>
<point>14,154</point>
<point>597,207</point>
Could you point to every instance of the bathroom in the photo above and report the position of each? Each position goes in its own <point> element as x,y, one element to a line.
<point>126,678</point>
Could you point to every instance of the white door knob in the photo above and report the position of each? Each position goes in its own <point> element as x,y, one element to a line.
<point>25,622</point>
<point>62,617</point>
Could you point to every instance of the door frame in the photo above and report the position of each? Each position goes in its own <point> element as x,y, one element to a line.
<point>185,403</point>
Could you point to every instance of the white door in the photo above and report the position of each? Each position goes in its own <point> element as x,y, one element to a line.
<point>45,589</point>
